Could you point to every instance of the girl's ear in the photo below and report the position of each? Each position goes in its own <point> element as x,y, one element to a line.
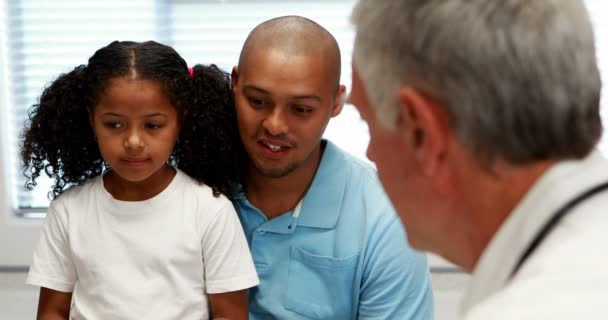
<point>182,119</point>
<point>91,119</point>
<point>92,123</point>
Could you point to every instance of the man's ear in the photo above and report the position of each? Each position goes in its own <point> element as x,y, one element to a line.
<point>339,101</point>
<point>234,78</point>
<point>424,122</point>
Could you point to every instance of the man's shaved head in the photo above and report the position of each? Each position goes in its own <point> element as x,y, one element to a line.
<point>294,36</point>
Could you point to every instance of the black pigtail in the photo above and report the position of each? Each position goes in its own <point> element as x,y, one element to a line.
<point>58,139</point>
<point>210,145</point>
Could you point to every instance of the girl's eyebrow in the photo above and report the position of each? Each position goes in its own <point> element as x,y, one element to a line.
<point>114,114</point>
<point>155,114</point>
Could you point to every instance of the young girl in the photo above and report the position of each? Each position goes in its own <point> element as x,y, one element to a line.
<point>149,149</point>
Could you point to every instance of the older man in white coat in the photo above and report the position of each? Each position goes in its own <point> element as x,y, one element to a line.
<point>484,116</point>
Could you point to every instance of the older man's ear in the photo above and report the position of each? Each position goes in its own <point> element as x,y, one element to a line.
<point>424,123</point>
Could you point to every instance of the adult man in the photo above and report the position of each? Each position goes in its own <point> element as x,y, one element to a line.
<point>325,241</point>
<point>483,116</point>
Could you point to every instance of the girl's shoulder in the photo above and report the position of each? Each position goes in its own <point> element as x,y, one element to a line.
<point>190,187</point>
<point>201,196</point>
<point>81,191</point>
<point>76,198</point>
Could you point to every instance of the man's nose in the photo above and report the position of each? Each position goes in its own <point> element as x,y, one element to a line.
<point>276,122</point>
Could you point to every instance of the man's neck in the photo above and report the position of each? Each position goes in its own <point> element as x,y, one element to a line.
<point>500,196</point>
<point>275,196</point>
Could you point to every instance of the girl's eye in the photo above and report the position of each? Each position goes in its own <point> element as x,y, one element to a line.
<point>152,125</point>
<point>112,125</point>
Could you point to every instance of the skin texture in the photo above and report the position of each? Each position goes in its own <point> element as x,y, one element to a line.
<point>229,305</point>
<point>286,91</point>
<point>53,305</point>
<point>136,128</point>
<point>284,102</point>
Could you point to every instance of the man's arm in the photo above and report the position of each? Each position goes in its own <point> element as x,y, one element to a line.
<point>229,305</point>
<point>53,305</point>
<point>396,282</point>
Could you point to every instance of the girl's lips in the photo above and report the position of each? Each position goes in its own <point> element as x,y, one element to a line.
<point>135,163</point>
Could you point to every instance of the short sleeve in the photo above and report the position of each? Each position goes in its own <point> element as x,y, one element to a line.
<point>52,265</point>
<point>226,257</point>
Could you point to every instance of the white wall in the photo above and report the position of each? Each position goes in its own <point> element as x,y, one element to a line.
<point>17,236</point>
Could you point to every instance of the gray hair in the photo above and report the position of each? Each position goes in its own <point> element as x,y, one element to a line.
<point>519,78</point>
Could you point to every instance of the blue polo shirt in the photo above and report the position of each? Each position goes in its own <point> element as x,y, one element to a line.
<point>344,257</point>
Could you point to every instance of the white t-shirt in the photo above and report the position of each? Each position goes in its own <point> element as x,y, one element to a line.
<point>566,277</point>
<point>152,259</point>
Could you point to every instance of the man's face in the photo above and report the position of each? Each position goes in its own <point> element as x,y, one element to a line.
<point>395,163</point>
<point>283,105</point>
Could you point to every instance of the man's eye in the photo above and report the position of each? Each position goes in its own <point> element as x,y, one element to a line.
<point>256,102</point>
<point>112,125</point>
<point>301,110</point>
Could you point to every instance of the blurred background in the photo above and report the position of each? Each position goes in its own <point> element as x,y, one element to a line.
<point>41,39</point>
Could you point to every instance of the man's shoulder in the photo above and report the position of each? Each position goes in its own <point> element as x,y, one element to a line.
<point>363,193</point>
<point>535,298</point>
<point>359,168</point>
<point>363,179</point>
<point>567,267</point>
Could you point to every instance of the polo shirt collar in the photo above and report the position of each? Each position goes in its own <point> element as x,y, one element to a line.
<point>322,202</point>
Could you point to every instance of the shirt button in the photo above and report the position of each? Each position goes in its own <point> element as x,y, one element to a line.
<point>261,232</point>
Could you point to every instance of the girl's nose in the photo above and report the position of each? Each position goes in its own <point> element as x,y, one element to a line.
<point>134,141</point>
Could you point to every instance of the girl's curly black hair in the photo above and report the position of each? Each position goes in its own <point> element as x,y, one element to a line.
<point>59,141</point>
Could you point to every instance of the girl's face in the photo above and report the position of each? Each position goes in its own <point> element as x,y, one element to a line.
<point>136,127</point>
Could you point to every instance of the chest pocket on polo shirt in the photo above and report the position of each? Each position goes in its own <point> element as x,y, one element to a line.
<point>320,287</point>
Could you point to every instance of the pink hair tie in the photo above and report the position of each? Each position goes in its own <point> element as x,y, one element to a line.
<point>191,72</point>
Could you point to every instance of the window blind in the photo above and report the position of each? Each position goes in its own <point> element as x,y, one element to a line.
<point>42,39</point>
<point>47,38</point>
